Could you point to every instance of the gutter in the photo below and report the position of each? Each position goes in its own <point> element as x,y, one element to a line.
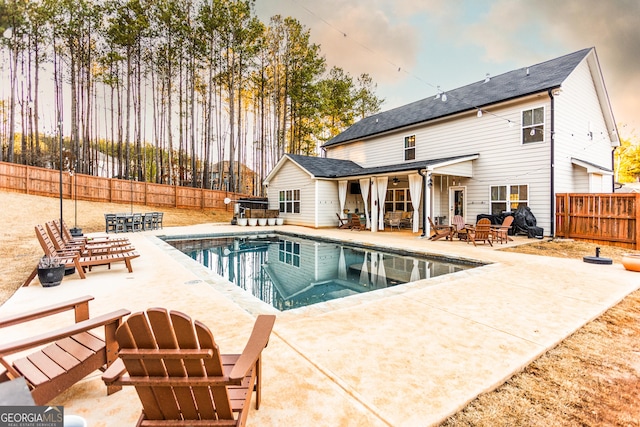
<point>552,166</point>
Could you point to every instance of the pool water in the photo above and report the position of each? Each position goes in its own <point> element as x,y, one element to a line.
<point>288,272</point>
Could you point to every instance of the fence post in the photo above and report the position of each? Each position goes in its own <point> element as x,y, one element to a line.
<point>636,218</point>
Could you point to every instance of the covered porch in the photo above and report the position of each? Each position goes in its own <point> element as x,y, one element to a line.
<point>402,198</point>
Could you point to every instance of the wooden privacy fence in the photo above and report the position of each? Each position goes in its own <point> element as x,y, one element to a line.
<point>46,182</point>
<point>599,218</point>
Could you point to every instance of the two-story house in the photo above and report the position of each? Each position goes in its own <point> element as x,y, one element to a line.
<point>486,148</point>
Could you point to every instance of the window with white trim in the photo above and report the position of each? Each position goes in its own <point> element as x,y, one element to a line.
<point>289,252</point>
<point>289,201</point>
<point>507,198</point>
<point>533,125</point>
<point>410,147</point>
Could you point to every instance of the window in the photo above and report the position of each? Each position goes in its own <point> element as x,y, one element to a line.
<point>507,198</point>
<point>289,253</point>
<point>410,147</point>
<point>289,201</point>
<point>533,125</point>
<point>398,199</point>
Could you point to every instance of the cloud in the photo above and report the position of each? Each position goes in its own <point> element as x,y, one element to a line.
<point>526,32</point>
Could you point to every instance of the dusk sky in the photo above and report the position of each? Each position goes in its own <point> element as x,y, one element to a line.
<point>410,47</point>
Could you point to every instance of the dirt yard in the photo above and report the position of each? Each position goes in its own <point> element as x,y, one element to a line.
<point>590,379</point>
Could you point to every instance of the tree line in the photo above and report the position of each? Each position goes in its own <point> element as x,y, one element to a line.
<point>177,92</point>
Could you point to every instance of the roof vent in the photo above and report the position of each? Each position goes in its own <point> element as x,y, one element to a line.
<point>487,78</point>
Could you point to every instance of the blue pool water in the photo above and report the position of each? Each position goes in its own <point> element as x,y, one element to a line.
<point>288,272</point>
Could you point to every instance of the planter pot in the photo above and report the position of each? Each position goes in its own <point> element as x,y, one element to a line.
<point>253,222</point>
<point>631,262</point>
<point>242,221</point>
<point>51,276</point>
<point>271,221</point>
<point>262,221</point>
<point>279,221</point>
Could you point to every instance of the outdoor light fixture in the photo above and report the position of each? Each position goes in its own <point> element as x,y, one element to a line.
<point>479,114</point>
<point>395,180</point>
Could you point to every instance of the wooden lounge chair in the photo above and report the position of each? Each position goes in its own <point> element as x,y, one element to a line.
<point>501,232</point>
<point>342,223</point>
<point>75,259</point>
<point>64,231</point>
<point>355,223</point>
<point>480,233</point>
<point>85,247</point>
<point>69,354</point>
<point>440,231</point>
<point>179,374</point>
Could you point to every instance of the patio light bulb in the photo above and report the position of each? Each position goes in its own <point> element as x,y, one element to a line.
<point>479,113</point>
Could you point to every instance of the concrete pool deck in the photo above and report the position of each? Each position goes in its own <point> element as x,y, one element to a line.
<point>410,355</point>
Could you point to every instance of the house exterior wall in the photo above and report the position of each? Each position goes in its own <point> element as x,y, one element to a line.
<point>578,112</point>
<point>503,159</point>
<point>292,177</point>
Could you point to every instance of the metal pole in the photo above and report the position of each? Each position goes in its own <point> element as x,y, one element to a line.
<point>60,130</point>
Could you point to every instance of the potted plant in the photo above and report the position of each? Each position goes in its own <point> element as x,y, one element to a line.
<point>50,271</point>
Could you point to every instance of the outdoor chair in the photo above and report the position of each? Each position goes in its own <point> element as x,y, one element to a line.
<point>501,232</point>
<point>62,357</point>
<point>342,223</point>
<point>355,223</point>
<point>147,221</point>
<point>178,371</point>
<point>460,230</point>
<point>440,231</point>
<point>134,222</point>
<point>75,258</point>
<point>158,220</point>
<point>109,223</point>
<point>393,219</point>
<point>85,247</point>
<point>480,233</point>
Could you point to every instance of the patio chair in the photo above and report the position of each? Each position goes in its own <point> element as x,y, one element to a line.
<point>501,232</point>
<point>147,221</point>
<point>109,223</point>
<point>393,219</point>
<point>355,223</point>
<point>460,229</point>
<point>178,371</point>
<point>64,231</point>
<point>85,247</point>
<point>481,232</point>
<point>76,259</point>
<point>342,223</point>
<point>62,357</point>
<point>158,220</point>
<point>440,231</point>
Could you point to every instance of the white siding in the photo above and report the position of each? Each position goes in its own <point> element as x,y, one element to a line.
<point>503,160</point>
<point>578,111</point>
<point>292,177</point>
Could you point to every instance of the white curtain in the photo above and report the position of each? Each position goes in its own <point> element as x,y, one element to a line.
<point>374,205</point>
<point>342,195</point>
<point>382,195</point>
<point>342,265</point>
<point>364,189</point>
<point>364,271</point>
<point>415,189</point>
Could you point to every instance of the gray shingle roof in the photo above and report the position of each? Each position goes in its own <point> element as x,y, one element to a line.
<point>322,167</point>
<point>513,84</point>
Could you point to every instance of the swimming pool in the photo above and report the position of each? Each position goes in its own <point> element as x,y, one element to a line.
<point>289,272</point>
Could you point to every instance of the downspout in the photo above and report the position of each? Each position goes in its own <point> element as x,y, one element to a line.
<point>552,164</point>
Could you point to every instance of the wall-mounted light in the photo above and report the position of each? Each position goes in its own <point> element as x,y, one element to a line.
<point>479,114</point>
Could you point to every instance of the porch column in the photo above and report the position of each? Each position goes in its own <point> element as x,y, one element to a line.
<point>374,205</point>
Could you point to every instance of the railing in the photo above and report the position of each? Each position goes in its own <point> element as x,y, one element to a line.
<point>610,219</point>
<point>46,182</point>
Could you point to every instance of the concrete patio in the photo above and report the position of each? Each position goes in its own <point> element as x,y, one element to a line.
<point>410,355</point>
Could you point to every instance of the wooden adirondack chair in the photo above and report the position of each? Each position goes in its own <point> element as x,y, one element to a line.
<point>459,227</point>
<point>179,374</point>
<point>342,223</point>
<point>481,232</point>
<point>440,231</point>
<point>69,354</point>
<point>501,232</point>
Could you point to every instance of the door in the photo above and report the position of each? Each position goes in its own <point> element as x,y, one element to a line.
<point>457,202</point>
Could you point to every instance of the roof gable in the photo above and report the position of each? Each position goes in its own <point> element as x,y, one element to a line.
<point>513,84</point>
